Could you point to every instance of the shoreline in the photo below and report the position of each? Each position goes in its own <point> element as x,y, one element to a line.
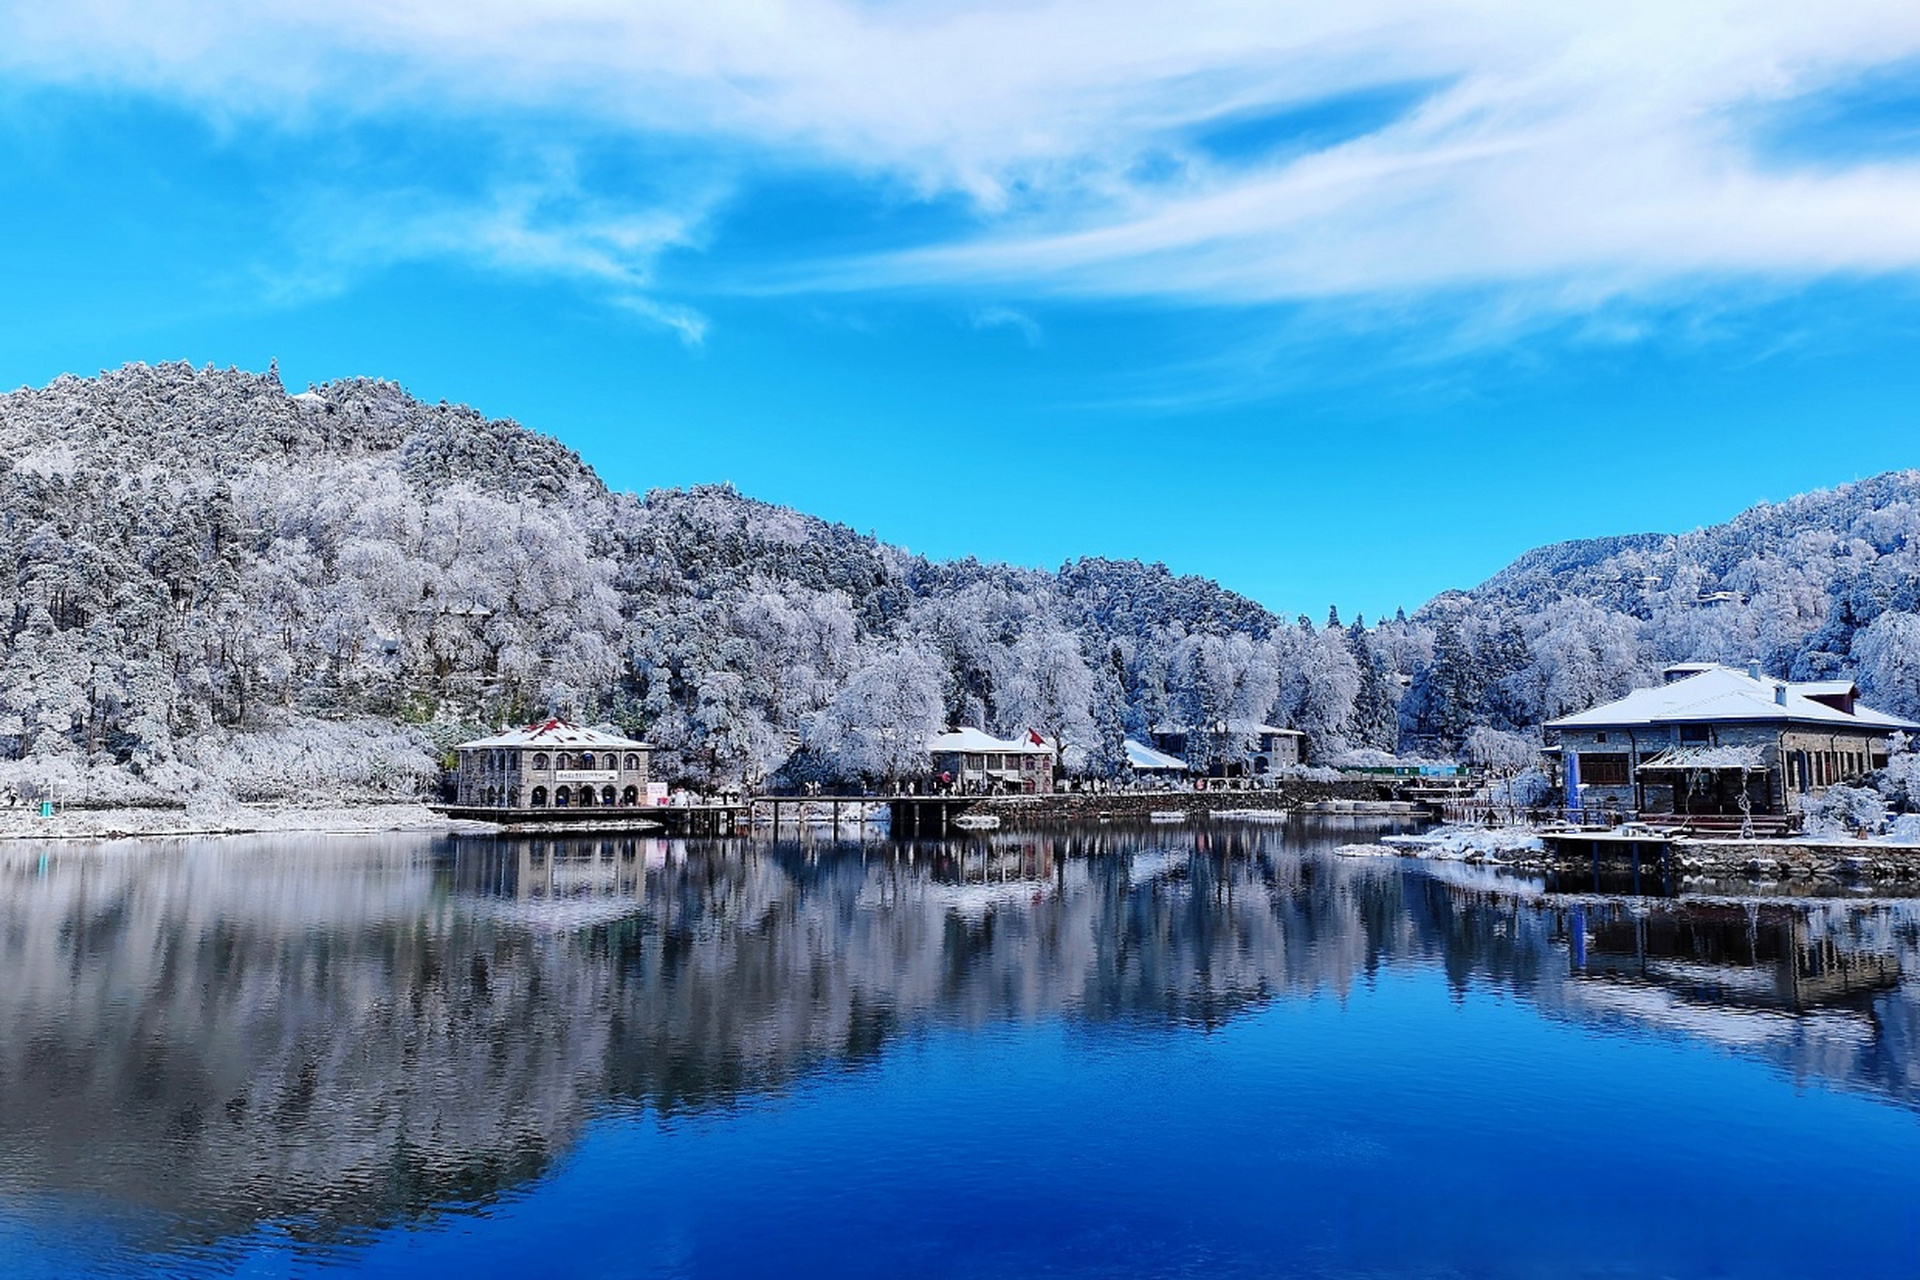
<point>233,820</point>
<point>1836,860</point>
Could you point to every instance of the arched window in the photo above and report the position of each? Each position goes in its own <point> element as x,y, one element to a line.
<point>606,795</point>
<point>493,796</point>
<point>586,759</point>
<point>586,797</point>
<point>630,796</point>
<point>539,797</point>
<point>559,797</point>
<point>563,761</point>
<point>633,762</point>
<point>540,761</point>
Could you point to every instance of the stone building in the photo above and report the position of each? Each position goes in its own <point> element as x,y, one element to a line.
<point>551,764</point>
<point>1237,748</point>
<point>1711,735</point>
<point>969,760</point>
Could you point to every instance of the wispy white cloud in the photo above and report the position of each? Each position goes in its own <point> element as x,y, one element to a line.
<point>1004,317</point>
<point>537,223</point>
<point>1572,153</point>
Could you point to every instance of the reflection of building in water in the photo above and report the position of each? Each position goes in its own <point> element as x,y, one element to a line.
<point>1753,955</point>
<point>349,1032</point>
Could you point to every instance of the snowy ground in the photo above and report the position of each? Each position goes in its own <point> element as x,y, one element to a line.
<point>1456,844</point>
<point>26,824</point>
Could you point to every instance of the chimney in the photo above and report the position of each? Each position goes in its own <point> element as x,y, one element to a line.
<point>1780,694</point>
<point>1753,668</point>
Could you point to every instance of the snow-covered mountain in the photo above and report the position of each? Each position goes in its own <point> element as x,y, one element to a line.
<point>1822,585</point>
<point>219,585</point>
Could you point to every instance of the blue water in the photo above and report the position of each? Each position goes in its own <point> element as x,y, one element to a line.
<point>1216,1053</point>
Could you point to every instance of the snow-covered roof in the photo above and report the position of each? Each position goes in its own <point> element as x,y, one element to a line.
<point>970,741</point>
<point>1826,688</point>
<point>1722,694</point>
<point>1141,756</point>
<point>554,734</point>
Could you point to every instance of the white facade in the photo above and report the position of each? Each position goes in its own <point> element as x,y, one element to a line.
<point>552,764</point>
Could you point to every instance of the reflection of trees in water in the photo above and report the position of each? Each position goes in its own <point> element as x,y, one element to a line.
<point>370,1029</point>
<point>228,1033</point>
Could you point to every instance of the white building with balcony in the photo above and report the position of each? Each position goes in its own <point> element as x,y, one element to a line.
<point>552,764</point>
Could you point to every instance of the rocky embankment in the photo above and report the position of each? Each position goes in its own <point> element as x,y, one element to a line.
<point>1287,794</point>
<point>1800,861</point>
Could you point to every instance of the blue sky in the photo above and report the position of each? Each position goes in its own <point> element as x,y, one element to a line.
<point>1334,307</point>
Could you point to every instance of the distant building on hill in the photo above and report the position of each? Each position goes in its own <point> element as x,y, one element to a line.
<point>968,760</point>
<point>1710,735</point>
<point>551,764</point>
<point>1237,748</point>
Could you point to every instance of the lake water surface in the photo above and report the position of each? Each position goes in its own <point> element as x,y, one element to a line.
<point>1213,1051</point>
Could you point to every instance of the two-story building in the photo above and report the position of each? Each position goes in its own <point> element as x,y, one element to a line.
<point>552,764</point>
<point>969,760</point>
<point>1238,748</point>
<point>1710,735</point>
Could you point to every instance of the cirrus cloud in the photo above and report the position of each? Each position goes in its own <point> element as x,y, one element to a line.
<point>1580,151</point>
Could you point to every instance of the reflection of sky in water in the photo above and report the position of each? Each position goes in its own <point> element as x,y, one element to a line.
<point>1214,1051</point>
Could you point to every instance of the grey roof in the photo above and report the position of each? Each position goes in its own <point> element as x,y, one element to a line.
<point>1721,695</point>
<point>555,734</point>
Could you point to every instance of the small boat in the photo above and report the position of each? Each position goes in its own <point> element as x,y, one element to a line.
<point>977,821</point>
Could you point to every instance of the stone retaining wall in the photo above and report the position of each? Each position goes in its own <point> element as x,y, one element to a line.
<point>1768,859</point>
<point>1075,806</point>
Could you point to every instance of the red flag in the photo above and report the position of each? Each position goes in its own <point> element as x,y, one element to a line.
<point>1038,741</point>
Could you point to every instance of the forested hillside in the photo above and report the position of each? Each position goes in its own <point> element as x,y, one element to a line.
<point>1823,585</point>
<point>221,589</point>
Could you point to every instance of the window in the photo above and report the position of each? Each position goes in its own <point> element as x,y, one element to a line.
<point>560,798</point>
<point>606,796</point>
<point>1604,769</point>
<point>1695,735</point>
<point>539,797</point>
<point>1600,737</point>
<point>586,797</point>
<point>630,796</point>
<point>540,761</point>
<point>563,761</point>
<point>586,759</point>
<point>633,762</point>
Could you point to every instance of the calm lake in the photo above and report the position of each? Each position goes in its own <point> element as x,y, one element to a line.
<point>1176,1051</point>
